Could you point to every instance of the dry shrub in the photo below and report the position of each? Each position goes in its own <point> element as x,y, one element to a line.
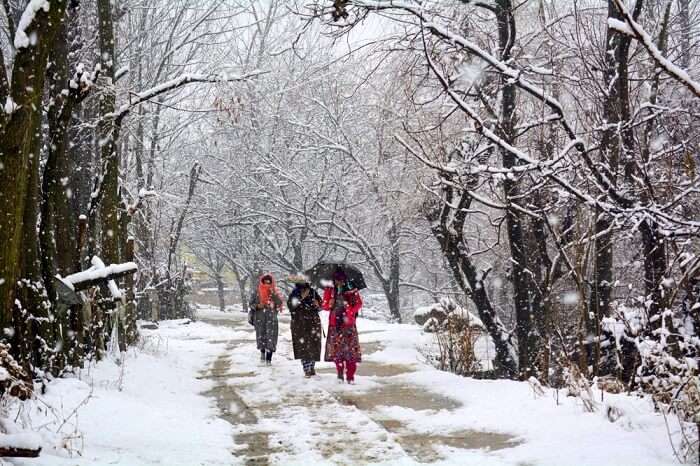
<point>610,384</point>
<point>455,341</point>
<point>577,385</point>
<point>14,380</point>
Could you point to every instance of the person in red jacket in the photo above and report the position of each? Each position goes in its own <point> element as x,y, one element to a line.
<point>343,345</point>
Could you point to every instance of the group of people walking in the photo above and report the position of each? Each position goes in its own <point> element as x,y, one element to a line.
<point>341,298</point>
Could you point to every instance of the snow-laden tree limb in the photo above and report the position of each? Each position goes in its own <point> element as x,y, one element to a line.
<point>444,33</point>
<point>22,37</point>
<point>633,29</point>
<point>175,83</point>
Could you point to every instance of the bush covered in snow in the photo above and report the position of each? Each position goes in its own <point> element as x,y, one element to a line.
<point>433,316</point>
<point>666,349</point>
<point>14,380</point>
<point>460,345</point>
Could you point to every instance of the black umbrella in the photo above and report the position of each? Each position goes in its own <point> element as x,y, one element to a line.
<point>321,274</point>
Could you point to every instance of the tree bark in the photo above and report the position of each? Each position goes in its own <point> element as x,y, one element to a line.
<point>614,144</point>
<point>654,247</point>
<point>31,303</point>
<point>57,216</point>
<point>221,293</point>
<point>447,226</point>
<point>107,135</point>
<point>16,133</point>
<point>242,280</point>
<point>391,288</point>
<point>684,14</point>
<point>527,337</point>
<point>131,334</point>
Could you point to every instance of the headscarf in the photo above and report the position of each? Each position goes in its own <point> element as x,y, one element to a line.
<point>266,292</point>
<point>339,275</point>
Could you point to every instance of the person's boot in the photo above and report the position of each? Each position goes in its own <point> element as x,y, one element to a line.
<point>268,360</point>
<point>262,355</point>
<point>351,368</point>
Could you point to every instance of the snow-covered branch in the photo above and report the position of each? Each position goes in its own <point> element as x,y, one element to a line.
<point>175,83</point>
<point>633,29</point>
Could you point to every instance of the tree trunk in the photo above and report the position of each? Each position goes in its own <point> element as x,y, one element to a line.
<point>57,216</point>
<point>684,15</point>
<point>59,196</point>
<point>16,133</point>
<point>392,288</point>
<point>654,247</point>
<point>612,147</point>
<point>131,334</point>
<point>242,280</point>
<point>221,293</point>
<point>447,225</point>
<point>527,337</point>
<point>31,303</point>
<point>466,275</point>
<point>107,135</point>
<point>539,264</point>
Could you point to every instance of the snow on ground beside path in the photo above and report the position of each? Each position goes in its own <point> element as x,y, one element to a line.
<point>159,417</point>
<point>552,434</point>
<point>546,433</point>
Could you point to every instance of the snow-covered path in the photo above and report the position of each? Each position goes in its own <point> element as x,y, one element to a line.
<point>282,418</point>
<point>405,412</point>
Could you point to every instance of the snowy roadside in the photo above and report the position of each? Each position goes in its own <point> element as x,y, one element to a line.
<point>147,411</point>
<point>553,429</point>
<point>404,404</point>
<point>401,412</point>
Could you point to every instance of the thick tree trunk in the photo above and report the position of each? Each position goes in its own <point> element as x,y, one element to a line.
<point>654,248</point>
<point>16,133</point>
<point>43,331</point>
<point>614,143</point>
<point>107,135</point>
<point>242,280</point>
<point>447,225</point>
<point>298,260</point>
<point>31,303</point>
<point>58,219</point>
<point>527,336</point>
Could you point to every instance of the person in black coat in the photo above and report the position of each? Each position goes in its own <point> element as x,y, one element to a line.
<point>304,304</point>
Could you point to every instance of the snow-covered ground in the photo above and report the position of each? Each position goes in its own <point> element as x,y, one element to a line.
<point>196,394</point>
<point>149,410</point>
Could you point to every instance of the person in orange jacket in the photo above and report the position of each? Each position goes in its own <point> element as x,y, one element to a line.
<point>343,346</point>
<point>265,304</point>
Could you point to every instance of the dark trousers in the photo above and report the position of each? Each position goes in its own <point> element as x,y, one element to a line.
<point>308,365</point>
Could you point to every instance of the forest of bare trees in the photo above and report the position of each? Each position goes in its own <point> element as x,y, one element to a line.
<point>535,161</point>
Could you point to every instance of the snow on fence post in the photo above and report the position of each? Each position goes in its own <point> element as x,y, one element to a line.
<point>103,276</point>
<point>100,274</point>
